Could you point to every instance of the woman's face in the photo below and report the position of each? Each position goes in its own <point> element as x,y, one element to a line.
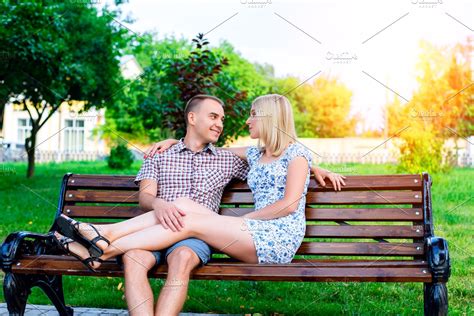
<point>253,122</point>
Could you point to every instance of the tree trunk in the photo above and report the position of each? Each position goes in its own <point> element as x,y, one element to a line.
<point>30,144</point>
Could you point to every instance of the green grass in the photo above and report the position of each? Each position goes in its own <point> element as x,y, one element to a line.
<point>31,205</point>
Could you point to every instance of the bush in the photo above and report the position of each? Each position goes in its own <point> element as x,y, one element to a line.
<point>120,157</point>
<point>421,150</point>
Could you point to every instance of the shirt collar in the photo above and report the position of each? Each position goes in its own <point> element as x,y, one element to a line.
<point>180,146</point>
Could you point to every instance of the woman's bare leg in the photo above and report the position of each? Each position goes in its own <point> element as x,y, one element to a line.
<point>226,233</point>
<point>120,229</point>
<point>117,230</point>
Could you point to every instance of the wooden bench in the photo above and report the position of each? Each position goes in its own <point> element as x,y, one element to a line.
<point>386,219</point>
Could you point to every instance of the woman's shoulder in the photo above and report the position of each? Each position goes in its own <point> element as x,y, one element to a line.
<point>297,149</point>
<point>252,150</point>
<point>253,153</point>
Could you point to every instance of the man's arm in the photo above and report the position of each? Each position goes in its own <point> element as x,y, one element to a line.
<point>240,152</point>
<point>147,195</point>
<point>167,213</point>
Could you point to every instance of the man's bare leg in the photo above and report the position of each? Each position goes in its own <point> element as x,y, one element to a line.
<point>138,292</point>
<point>181,262</point>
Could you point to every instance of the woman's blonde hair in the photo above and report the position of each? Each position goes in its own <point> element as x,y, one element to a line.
<point>277,126</point>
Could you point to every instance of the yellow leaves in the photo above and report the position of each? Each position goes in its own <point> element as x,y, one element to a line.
<point>440,108</point>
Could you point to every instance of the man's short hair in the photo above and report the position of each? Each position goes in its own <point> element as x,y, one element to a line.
<point>194,102</point>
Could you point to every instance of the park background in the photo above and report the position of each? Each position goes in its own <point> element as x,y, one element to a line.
<point>377,87</point>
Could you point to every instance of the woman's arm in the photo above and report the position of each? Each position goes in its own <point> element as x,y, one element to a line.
<point>294,188</point>
<point>160,147</point>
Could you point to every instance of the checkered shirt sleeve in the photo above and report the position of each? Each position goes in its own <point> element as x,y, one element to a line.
<point>150,170</point>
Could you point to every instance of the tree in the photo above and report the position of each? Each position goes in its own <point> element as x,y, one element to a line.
<point>152,106</point>
<point>321,109</point>
<point>330,111</point>
<point>57,52</point>
<point>300,98</point>
<point>136,115</point>
<point>442,107</point>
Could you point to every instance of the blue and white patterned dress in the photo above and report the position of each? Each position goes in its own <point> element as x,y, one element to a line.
<point>276,240</point>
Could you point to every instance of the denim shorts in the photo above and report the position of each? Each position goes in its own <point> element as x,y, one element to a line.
<point>202,250</point>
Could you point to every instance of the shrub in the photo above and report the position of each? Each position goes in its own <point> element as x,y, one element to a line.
<point>421,150</point>
<point>120,157</point>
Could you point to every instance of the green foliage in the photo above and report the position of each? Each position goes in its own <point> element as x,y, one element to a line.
<point>441,108</point>
<point>58,52</point>
<point>120,157</point>
<point>152,105</point>
<point>420,151</point>
<point>321,109</point>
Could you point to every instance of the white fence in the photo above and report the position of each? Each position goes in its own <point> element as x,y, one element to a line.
<point>10,155</point>
<point>373,150</point>
<point>462,159</point>
<point>369,154</point>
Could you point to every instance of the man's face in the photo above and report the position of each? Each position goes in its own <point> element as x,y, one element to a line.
<point>208,120</point>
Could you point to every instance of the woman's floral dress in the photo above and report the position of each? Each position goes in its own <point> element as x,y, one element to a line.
<point>276,240</point>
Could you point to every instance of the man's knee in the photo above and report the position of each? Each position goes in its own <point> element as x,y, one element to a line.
<point>182,260</point>
<point>137,260</point>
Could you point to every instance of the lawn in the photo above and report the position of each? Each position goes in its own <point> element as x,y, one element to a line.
<point>31,204</point>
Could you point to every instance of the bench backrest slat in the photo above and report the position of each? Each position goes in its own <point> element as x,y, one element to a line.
<point>322,214</point>
<point>375,182</point>
<point>344,197</point>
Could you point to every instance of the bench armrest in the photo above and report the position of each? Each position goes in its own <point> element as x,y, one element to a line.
<point>19,243</point>
<point>438,258</point>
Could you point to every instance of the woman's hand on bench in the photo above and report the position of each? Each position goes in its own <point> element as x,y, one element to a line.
<point>336,179</point>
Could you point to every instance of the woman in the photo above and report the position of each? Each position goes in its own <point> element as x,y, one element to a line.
<point>278,177</point>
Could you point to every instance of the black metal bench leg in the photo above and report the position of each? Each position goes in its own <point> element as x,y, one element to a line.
<point>52,285</point>
<point>17,288</point>
<point>436,299</point>
<point>436,293</point>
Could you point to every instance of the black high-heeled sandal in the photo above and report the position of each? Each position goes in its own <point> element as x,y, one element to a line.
<point>70,228</point>
<point>64,242</point>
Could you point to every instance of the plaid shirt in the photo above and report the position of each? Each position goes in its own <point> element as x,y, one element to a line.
<point>200,176</point>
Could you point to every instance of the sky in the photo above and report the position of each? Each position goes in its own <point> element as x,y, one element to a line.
<point>371,46</point>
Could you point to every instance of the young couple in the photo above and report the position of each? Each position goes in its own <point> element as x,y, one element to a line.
<point>181,185</point>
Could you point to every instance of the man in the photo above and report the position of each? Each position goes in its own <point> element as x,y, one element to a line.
<point>192,168</point>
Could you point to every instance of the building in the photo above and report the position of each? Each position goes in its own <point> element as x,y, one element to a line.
<point>69,134</point>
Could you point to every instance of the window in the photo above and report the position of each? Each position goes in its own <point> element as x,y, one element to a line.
<point>74,135</point>
<point>24,130</point>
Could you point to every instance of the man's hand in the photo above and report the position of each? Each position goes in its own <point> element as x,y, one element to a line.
<point>168,215</point>
<point>336,179</point>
